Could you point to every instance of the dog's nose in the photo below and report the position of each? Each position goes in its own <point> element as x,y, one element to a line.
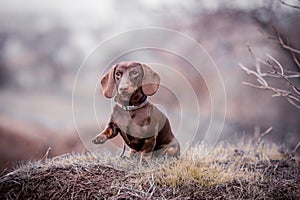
<point>123,88</point>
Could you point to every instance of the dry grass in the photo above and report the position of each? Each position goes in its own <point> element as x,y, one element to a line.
<point>243,171</point>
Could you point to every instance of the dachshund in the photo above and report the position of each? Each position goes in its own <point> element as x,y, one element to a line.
<point>143,127</point>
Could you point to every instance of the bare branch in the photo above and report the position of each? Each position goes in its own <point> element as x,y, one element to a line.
<point>250,51</point>
<point>278,64</point>
<point>295,149</point>
<point>288,47</point>
<point>281,75</point>
<point>276,70</point>
<point>289,5</point>
<point>263,134</point>
<point>296,90</point>
<point>293,98</point>
<point>295,58</point>
<point>279,40</point>
<point>45,157</point>
<point>288,74</point>
<point>294,103</point>
<point>260,79</point>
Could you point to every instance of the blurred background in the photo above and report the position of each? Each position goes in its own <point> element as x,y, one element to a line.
<point>43,43</point>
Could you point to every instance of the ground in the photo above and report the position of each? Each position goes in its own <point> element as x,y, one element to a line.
<point>242,171</point>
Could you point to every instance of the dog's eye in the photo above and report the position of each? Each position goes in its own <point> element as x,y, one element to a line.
<point>134,73</point>
<point>118,74</point>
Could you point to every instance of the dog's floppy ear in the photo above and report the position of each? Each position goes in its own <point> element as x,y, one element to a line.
<point>108,83</point>
<point>151,81</point>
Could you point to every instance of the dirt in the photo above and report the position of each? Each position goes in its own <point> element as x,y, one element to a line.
<point>281,181</point>
<point>62,183</point>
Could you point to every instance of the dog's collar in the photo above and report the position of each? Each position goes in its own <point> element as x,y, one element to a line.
<point>130,108</point>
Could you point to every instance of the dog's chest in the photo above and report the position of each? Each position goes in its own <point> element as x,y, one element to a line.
<point>138,123</point>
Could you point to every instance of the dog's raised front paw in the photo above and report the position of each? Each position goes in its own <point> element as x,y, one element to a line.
<point>99,139</point>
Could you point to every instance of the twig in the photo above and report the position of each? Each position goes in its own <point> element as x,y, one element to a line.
<point>45,157</point>
<point>284,45</point>
<point>278,64</point>
<point>292,95</point>
<point>282,75</point>
<point>131,191</point>
<point>295,101</point>
<point>289,5</point>
<point>295,58</point>
<point>295,149</point>
<point>90,154</point>
<point>279,40</point>
<point>262,80</point>
<point>263,134</point>
<point>250,51</point>
<point>287,73</point>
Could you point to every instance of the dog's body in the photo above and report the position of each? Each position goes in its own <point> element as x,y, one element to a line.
<point>143,127</point>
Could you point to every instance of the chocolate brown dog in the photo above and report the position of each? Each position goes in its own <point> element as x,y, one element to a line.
<point>144,128</point>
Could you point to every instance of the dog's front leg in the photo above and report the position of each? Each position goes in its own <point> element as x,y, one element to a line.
<point>109,132</point>
<point>132,153</point>
<point>146,152</point>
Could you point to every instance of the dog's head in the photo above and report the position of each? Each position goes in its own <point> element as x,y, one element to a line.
<point>126,78</point>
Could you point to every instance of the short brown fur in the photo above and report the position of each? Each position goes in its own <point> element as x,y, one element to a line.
<point>145,130</point>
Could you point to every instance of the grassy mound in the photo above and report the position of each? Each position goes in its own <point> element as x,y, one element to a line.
<point>243,171</point>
